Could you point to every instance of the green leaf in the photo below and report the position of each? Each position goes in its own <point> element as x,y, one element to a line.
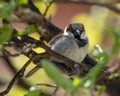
<point>115,33</point>
<point>2,9</point>
<point>6,9</point>
<point>116,36</point>
<point>22,2</point>
<point>28,30</point>
<point>34,91</point>
<point>101,90</point>
<point>1,50</point>
<point>54,73</point>
<point>96,52</point>
<point>5,33</point>
<point>89,80</point>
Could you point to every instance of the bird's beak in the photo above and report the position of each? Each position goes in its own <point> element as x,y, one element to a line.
<point>83,35</point>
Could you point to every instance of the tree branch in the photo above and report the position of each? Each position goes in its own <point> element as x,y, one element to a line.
<point>110,5</point>
<point>20,82</point>
<point>19,74</point>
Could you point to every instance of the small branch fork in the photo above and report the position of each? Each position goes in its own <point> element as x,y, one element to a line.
<point>24,45</point>
<point>52,86</point>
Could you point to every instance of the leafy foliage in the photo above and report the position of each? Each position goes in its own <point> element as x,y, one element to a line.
<point>5,33</point>
<point>115,33</point>
<point>6,9</point>
<point>101,90</point>
<point>30,29</point>
<point>57,76</point>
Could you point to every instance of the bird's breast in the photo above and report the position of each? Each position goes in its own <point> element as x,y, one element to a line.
<point>68,47</point>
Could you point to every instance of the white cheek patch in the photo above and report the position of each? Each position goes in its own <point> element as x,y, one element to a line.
<point>66,33</point>
<point>83,35</point>
<point>69,34</point>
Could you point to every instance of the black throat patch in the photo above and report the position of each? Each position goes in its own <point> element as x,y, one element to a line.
<point>81,42</point>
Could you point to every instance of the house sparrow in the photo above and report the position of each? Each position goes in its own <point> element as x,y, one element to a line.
<point>73,43</point>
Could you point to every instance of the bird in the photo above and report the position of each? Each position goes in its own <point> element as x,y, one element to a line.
<point>73,43</point>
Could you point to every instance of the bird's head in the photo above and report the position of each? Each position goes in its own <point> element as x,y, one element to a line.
<point>75,30</point>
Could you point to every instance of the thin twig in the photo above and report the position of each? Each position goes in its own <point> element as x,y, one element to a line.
<point>53,86</point>
<point>6,52</point>
<point>32,71</point>
<point>48,85</point>
<point>19,74</point>
<point>33,7</point>
<point>20,82</point>
<point>46,10</point>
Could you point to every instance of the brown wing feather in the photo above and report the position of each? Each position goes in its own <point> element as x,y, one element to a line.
<point>54,40</point>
